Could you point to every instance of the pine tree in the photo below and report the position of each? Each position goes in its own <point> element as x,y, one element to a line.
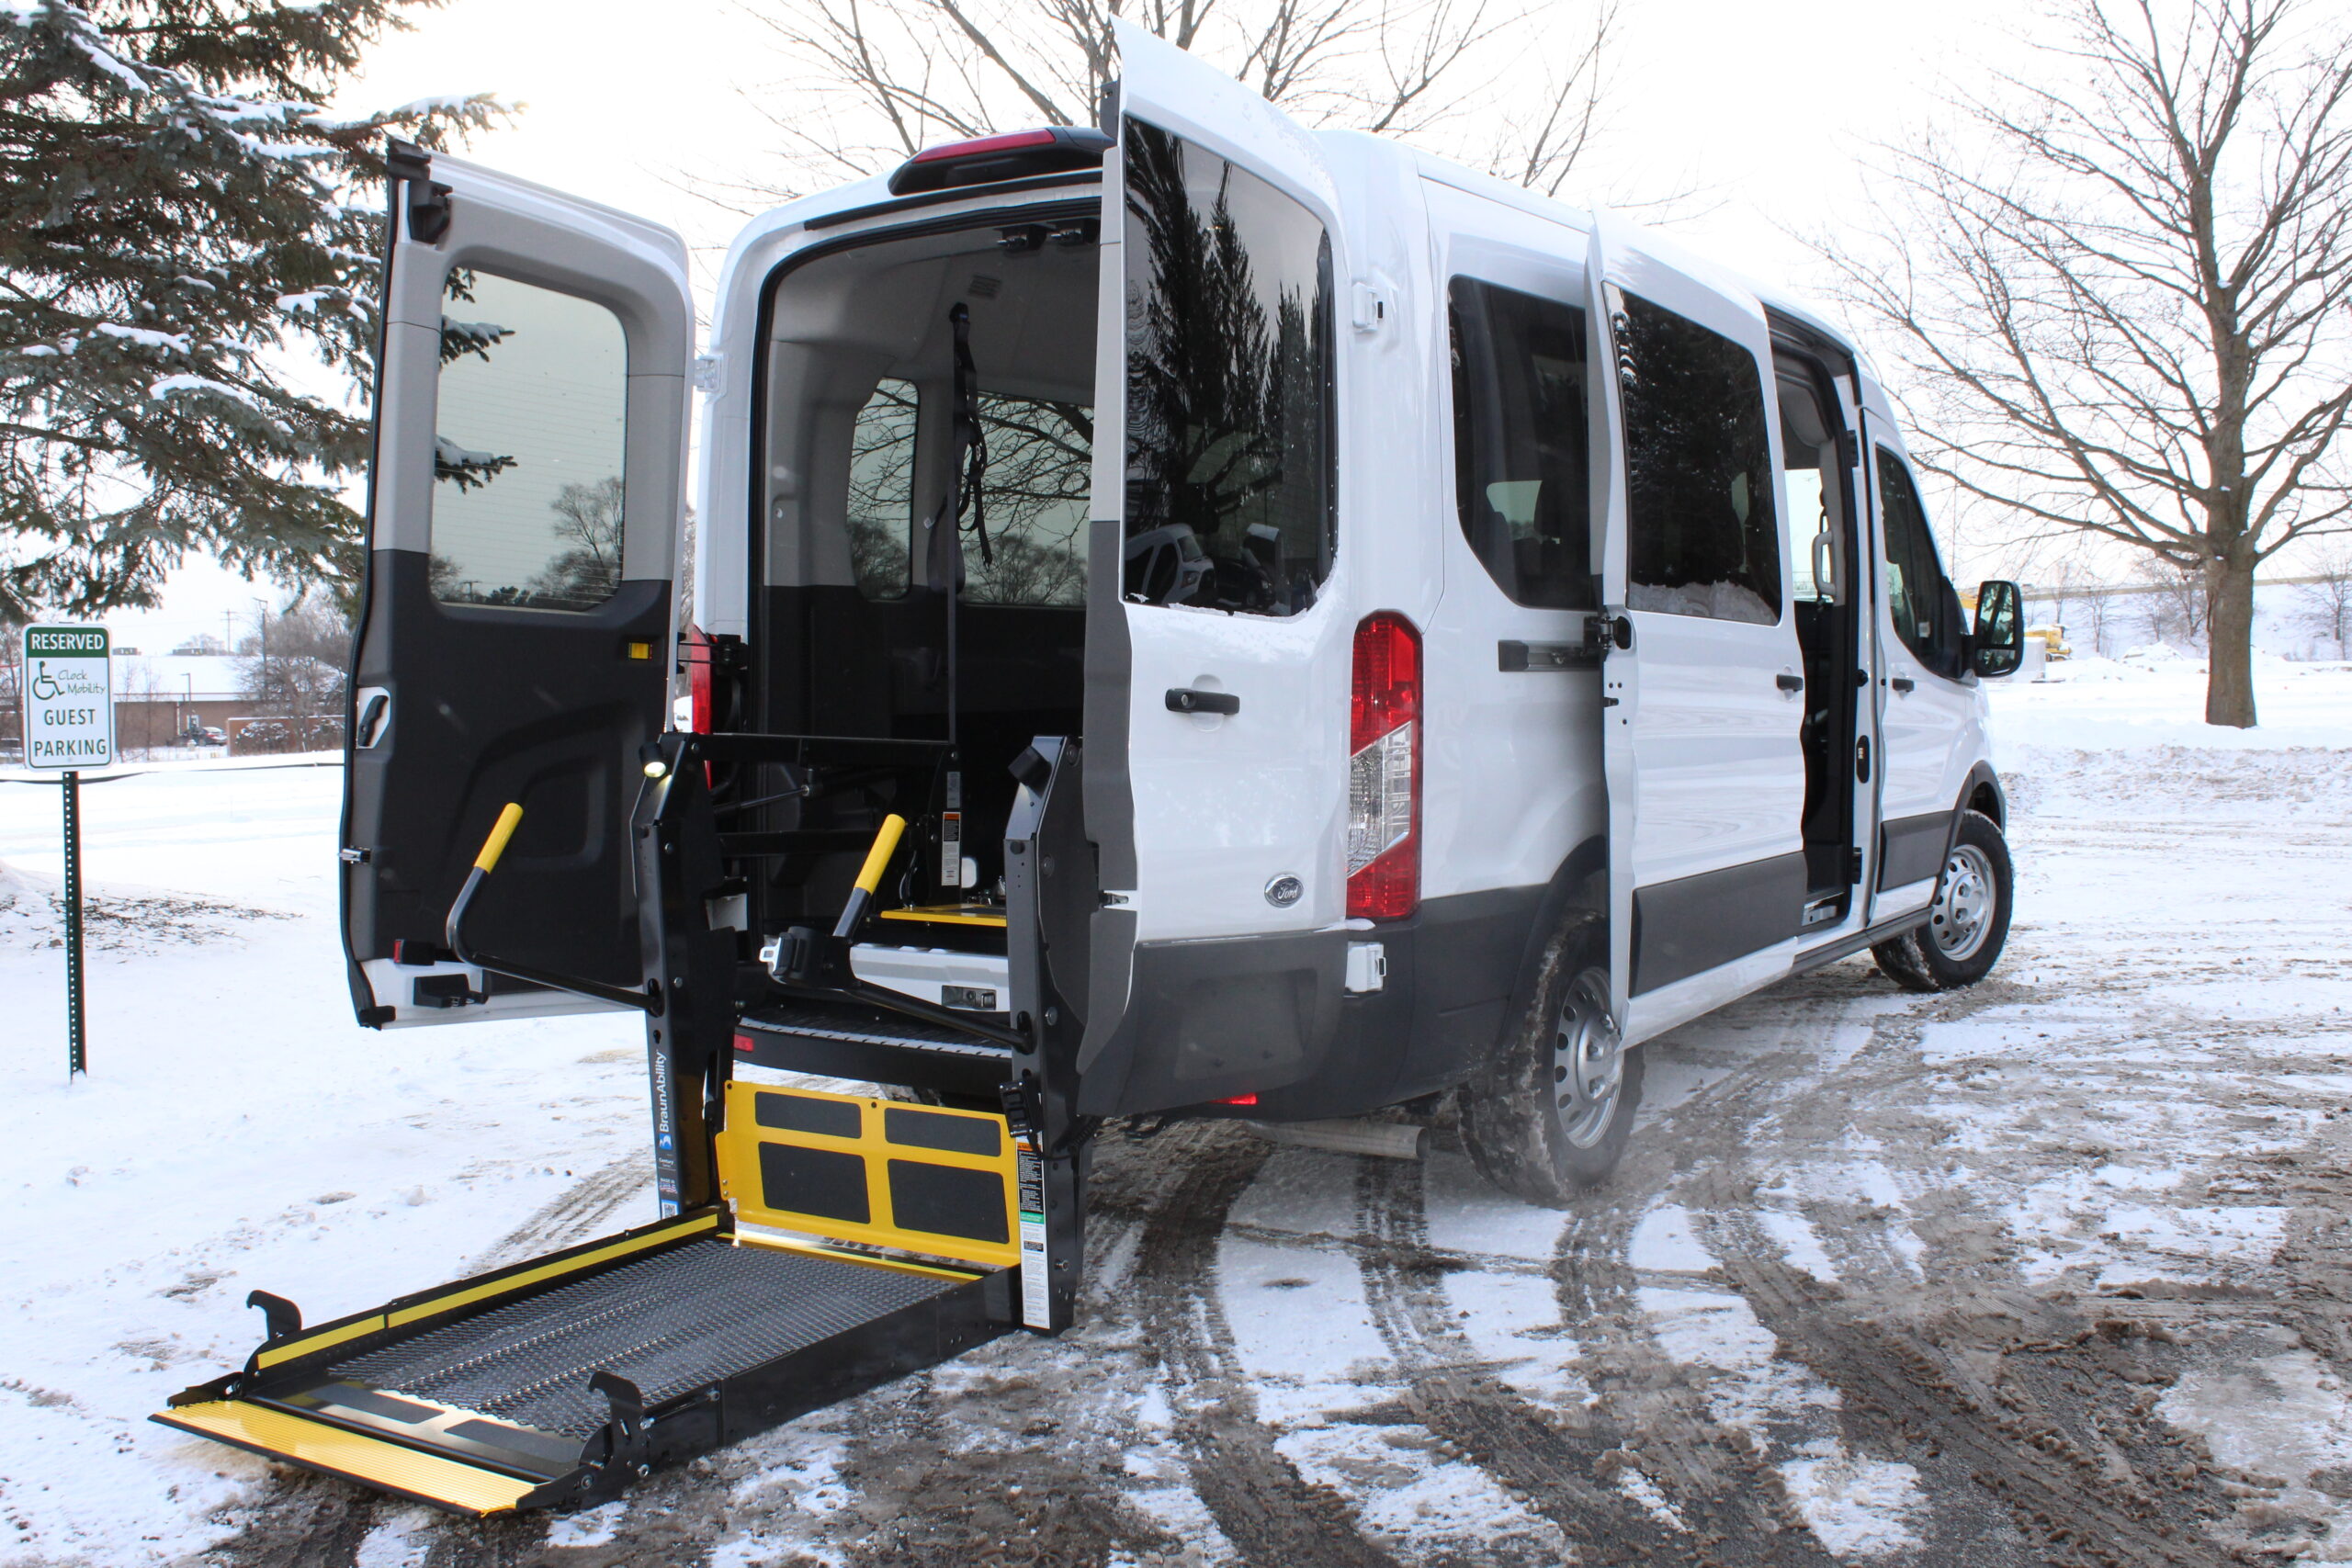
<point>187,238</point>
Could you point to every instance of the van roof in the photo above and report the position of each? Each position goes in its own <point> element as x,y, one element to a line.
<point>814,211</point>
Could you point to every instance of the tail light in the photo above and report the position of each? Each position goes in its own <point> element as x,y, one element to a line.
<point>1385,770</point>
<point>695,652</point>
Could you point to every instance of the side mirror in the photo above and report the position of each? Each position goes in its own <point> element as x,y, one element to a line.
<point>1997,645</point>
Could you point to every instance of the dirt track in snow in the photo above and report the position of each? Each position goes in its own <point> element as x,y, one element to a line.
<point>2053,1271</point>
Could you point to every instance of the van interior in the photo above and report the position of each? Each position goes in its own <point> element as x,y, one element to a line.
<point>1821,551</point>
<point>882,360</point>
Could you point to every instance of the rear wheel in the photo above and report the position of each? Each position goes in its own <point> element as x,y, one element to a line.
<point>1969,922</point>
<point>1550,1116</point>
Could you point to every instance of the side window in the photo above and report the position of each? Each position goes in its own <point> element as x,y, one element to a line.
<point>1520,470</point>
<point>1703,539</point>
<point>1922,605</point>
<point>1041,457</point>
<point>1229,444</point>
<point>528,440</point>
<point>881,512</point>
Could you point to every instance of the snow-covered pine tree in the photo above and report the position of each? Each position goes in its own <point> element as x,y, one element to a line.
<point>188,249</point>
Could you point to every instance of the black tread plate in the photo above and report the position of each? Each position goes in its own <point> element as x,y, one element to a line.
<point>670,1324</point>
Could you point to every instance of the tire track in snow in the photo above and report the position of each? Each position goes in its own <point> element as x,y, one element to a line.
<point>1270,1513</point>
<point>1554,1459</point>
<point>1999,1395</point>
<point>1713,1476</point>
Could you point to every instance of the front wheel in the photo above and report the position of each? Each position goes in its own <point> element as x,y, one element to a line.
<point>1550,1116</point>
<point>1969,922</point>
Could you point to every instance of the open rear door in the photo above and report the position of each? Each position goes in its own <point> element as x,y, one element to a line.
<point>514,641</point>
<point>1703,680</point>
<point>1218,663</point>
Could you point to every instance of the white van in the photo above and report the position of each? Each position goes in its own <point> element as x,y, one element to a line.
<point>1193,619</point>
<point>1426,638</point>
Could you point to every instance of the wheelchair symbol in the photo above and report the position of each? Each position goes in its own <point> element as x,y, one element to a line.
<point>45,688</point>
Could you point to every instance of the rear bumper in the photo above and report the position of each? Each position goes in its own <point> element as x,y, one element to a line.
<point>1271,1017</point>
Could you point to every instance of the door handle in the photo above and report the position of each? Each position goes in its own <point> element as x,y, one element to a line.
<point>1901,684</point>
<point>1185,699</point>
<point>1788,682</point>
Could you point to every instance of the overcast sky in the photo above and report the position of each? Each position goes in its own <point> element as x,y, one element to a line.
<point>1766,108</point>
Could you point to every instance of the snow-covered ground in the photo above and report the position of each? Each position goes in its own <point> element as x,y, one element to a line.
<point>1989,1277</point>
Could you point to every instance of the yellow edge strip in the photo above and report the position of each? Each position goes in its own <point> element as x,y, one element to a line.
<point>808,1250</point>
<point>513,1282</point>
<point>428,1477</point>
<point>926,918</point>
<point>324,1340</point>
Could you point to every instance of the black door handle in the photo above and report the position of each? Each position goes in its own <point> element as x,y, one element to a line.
<point>1901,683</point>
<point>1788,682</point>
<point>1184,699</point>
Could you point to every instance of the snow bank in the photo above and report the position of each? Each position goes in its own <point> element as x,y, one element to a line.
<point>2155,696</point>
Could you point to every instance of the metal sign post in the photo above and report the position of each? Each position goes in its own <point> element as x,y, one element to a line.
<point>69,726</point>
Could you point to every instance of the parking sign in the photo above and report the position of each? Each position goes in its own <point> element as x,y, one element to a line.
<point>69,697</point>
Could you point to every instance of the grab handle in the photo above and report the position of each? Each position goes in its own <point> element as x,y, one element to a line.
<point>869,876</point>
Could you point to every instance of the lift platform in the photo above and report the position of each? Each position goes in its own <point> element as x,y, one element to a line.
<point>559,1380</point>
<point>815,1244</point>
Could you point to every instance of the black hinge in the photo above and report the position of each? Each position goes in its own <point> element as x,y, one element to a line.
<point>1603,631</point>
<point>428,201</point>
<point>1849,448</point>
<point>1853,864</point>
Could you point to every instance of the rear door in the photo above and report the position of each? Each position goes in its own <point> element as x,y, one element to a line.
<point>515,633</point>
<point>1218,650</point>
<point>1702,720</point>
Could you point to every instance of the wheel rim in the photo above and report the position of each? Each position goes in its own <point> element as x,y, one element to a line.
<point>1587,1068</point>
<point>1963,914</point>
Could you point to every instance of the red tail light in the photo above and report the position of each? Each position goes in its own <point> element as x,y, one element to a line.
<point>694,651</point>
<point>1385,770</point>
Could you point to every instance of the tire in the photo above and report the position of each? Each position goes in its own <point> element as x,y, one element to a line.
<point>1534,1124</point>
<point>1969,922</point>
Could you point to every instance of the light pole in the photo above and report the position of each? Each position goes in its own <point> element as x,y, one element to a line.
<point>260,619</point>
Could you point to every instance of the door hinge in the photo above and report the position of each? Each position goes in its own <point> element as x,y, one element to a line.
<point>349,856</point>
<point>707,367</point>
<point>427,199</point>
<point>1849,448</point>
<point>1605,629</point>
<point>1853,864</point>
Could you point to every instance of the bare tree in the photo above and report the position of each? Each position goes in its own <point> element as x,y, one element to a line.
<point>293,678</point>
<point>2126,314</point>
<point>2098,614</point>
<point>12,690</point>
<point>2180,604</point>
<point>2326,608</point>
<point>876,81</point>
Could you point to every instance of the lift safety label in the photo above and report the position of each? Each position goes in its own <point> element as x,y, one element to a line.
<point>1036,1290</point>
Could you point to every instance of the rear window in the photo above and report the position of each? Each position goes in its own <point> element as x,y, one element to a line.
<point>1703,539</point>
<point>1229,362</point>
<point>1523,487</point>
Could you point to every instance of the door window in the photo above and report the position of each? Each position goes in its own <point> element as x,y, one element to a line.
<point>529,438</point>
<point>1040,475</point>
<point>1229,438</point>
<point>881,491</point>
<point>1520,475</point>
<point>1698,469</point>
<point>1925,609</point>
